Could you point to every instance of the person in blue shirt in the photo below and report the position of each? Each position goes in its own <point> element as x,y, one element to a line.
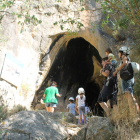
<point>71,106</point>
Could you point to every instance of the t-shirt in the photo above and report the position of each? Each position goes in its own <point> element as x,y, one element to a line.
<point>71,108</point>
<point>51,95</point>
<point>111,55</point>
<point>109,81</point>
<point>81,102</point>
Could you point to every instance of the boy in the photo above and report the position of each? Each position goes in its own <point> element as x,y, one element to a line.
<point>80,104</point>
<point>71,106</point>
<point>111,58</point>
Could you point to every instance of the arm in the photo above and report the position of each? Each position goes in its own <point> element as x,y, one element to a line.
<point>44,95</point>
<point>76,111</point>
<point>108,62</point>
<point>106,73</point>
<point>76,102</point>
<point>109,59</point>
<point>121,66</point>
<point>67,110</point>
<point>58,95</point>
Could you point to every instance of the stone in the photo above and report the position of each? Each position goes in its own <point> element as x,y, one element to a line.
<point>99,128</point>
<point>33,125</point>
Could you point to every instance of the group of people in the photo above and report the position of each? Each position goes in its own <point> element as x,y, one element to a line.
<point>50,101</point>
<point>81,108</point>
<point>109,90</point>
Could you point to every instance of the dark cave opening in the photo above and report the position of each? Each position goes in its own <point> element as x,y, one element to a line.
<point>73,68</point>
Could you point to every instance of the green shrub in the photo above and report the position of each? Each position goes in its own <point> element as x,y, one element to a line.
<point>3,109</point>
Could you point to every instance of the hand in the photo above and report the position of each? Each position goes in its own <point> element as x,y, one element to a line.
<point>60,95</point>
<point>115,73</point>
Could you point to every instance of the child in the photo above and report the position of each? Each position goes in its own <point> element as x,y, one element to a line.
<point>80,103</point>
<point>71,106</point>
<point>111,58</point>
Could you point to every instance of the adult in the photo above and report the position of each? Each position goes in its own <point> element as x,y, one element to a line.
<point>127,84</point>
<point>50,97</point>
<point>109,90</point>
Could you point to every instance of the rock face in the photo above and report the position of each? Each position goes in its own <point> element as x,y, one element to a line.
<point>36,125</point>
<point>37,47</point>
<point>52,126</point>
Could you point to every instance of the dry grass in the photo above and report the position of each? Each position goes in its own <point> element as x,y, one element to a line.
<point>126,126</point>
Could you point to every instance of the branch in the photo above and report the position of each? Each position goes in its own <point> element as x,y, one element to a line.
<point>131,8</point>
<point>124,11</point>
<point>5,11</point>
<point>137,6</point>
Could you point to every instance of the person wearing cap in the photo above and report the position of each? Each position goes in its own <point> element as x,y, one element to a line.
<point>127,85</point>
<point>71,106</point>
<point>49,96</point>
<point>80,104</point>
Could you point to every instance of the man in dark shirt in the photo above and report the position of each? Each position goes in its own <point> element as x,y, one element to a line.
<point>109,87</point>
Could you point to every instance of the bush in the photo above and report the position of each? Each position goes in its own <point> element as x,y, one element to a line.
<point>3,109</point>
<point>4,113</point>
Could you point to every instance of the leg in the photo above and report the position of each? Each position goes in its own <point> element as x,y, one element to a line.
<point>115,108</point>
<point>84,118</point>
<point>133,105</point>
<point>47,108</point>
<point>105,108</point>
<point>80,118</point>
<point>51,109</point>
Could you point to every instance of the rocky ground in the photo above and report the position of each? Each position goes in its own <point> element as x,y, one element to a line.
<point>42,125</point>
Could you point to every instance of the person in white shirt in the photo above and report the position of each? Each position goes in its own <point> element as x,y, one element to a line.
<point>80,104</point>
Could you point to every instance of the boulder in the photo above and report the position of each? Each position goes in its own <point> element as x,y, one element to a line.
<point>35,125</point>
<point>98,128</point>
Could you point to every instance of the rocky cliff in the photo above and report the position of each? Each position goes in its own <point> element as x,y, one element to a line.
<point>49,53</point>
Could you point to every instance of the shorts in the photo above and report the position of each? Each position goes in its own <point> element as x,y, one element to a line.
<point>128,86</point>
<point>106,94</point>
<point>81,110</point>
<point>50,105</point>
<point>114,63</point>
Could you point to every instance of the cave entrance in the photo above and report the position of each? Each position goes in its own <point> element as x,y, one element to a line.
<point>73,68</point>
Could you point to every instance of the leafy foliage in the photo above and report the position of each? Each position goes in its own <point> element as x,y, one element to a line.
<point>23,15</point>
<point>71,22</point>
<point>3,109</point>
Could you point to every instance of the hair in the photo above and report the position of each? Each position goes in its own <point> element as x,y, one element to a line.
<point>105,58</point>
<point>108,50</point>
<point>53,83</point>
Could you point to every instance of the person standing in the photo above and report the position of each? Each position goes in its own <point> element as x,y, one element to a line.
<point>80,104</point>
<point>71,106</point>
<point>127,79</point>
<point>50,97</point>
<point>109,90</point>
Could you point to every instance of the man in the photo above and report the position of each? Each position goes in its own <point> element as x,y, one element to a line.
<point>50,97</point>
<point>109,87</point>
<point>127,84</point>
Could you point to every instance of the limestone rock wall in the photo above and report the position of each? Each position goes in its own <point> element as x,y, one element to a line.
<point>30,45</point>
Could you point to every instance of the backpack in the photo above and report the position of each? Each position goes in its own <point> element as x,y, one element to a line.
<point>126,73</point>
